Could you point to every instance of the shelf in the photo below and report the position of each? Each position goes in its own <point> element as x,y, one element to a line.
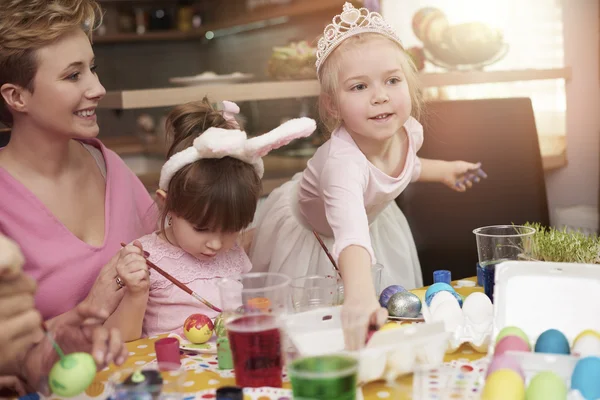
<point>277,90</point>
<point>297,8</point>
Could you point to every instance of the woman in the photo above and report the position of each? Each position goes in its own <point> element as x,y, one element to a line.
<point>66,200</point>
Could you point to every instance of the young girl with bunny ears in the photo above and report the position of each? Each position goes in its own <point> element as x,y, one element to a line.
<point>209,189</point>
<point>370,100</point>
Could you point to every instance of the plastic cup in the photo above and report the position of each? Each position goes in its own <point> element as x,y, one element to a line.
<point>253,305</point>
<point>161,381</point>
<point>376,271</point>
<point>499,243</point>
<point>326,377</point>
<point>167,351</point>
<point>315,291</point>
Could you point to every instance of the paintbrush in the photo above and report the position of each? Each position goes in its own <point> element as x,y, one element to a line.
<point>52,341</point>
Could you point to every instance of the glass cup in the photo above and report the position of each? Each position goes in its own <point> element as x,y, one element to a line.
<point>326,377</point>
<point>148,382</point>
<point>499,243</point>
<point>376,271</point>
<point>253,305</point>
<point>315,291</point>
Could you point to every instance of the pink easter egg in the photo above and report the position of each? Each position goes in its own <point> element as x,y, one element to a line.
<point>507,362</point>
<point>511,343</point>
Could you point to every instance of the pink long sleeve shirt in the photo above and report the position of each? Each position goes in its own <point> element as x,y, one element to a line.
<point>64,266</point>
<point>341,192</point>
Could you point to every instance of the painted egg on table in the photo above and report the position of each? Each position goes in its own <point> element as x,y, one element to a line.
<point>585,377</point>
<point>512,331</point>
<point>552,341</point>
<point>404,304</point>
<point>72,374</point>
<point>504,361</point>
<point>478,308</point>
<point>504,384</point>
<point>546,385</point>
<point>388,292</point>
<point>437,287</point>
<point>587,332</point>
<point>198,328</point>
<point>219,326</point>
<point>511,343</point>
<point>588,345</point>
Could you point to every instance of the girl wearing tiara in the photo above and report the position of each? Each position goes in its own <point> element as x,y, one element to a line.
<point>209,188</point>
<point>370,101</point>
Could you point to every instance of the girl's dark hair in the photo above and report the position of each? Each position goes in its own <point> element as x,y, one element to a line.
<point>218,194</point>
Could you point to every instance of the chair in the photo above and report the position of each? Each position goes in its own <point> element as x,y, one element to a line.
<point>501,133</point>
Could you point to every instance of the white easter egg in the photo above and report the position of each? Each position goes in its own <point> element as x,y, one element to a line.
<point>585,346</point>
<point>478,308</point>
<point>450,313</point>
<point>440,298</point>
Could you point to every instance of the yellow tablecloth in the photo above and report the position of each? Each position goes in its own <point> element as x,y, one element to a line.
<point>206,376</point>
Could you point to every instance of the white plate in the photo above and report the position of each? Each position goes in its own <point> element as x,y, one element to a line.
<point>210,78</point>
<point>209,347</point>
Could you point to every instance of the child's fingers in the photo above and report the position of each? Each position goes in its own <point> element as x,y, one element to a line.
<point>459,187</point>
<point>481,173</point>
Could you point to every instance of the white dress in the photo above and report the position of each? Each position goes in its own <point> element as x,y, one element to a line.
<point>341,195</point>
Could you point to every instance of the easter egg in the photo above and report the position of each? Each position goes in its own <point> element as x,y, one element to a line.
<point>478,308</point>
<point>511,343</point>
<point>404,304</point>
<point>72,374</point>
<point>198,328</point>
<point>437,287</point>
<point>552,341</point>
<point>587,332</point>
<point>588,345</point>
<point>219,326</point>
<point>503,384</point>
<point>389,326</point>
<point>439,299</point>
<point>505,361</point>
<point>420,293</point>
<point>512,330</point>
<point>546,385</point>
<point>388,292</point>
<point>585,377</point>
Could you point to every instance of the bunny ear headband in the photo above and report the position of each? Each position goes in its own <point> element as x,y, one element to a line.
<point>219,143</point>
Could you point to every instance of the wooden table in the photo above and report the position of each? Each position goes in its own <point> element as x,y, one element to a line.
<point>202,376</point>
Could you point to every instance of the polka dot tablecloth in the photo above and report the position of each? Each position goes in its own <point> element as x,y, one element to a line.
<point>202,376</point>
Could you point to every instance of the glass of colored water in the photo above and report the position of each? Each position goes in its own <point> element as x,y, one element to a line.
<point>327,377</point>
<point>499,243</point>
<point>253,305</point>
<point>315,291</point>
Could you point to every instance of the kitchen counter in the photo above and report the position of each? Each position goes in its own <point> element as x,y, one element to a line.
<point>279,168</point>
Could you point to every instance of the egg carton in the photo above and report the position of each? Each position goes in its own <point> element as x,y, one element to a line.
<point>471,323</point>
<point>388,354</point>
<point>536,296</point>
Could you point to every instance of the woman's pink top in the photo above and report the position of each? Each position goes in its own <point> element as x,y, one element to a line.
<point>64,266</point>
<point>168,305</point>
<point>341,192</point>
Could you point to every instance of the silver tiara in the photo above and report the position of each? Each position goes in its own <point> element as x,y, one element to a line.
<point>352,21</point>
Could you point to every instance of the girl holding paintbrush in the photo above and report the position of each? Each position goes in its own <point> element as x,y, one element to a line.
<point>209,189</point>
<point>370,100</point>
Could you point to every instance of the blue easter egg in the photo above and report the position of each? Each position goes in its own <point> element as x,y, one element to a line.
<point>388,292</point>
<point>552,341</point>
<point>585,377</point>
<point>458,298</point>
<point>438,287</point>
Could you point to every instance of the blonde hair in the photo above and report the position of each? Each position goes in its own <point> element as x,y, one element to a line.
<point>28,25</point>
<point>329,75</point>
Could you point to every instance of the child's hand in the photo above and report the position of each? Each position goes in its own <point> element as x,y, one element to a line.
<point>460,175</point>
<point>358,315</point>
<point>132,269</point>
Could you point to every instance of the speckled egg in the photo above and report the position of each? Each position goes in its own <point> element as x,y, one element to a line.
<point>505,361</point>
<point>437,287</point>
<point>585,377</point>
<point>546,385</point>
<point>552,341</point>
<point>504,384</point>
<point>512,331</point>
<point>388,292</point>
<point>511,343</point>
<point>404,304</point>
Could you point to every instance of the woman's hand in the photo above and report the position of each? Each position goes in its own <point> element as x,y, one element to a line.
<point>105,293</point>
<point>132,268</point>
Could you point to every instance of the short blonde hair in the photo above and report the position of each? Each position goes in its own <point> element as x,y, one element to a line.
<point>329,75</point>
<point>28,25</point>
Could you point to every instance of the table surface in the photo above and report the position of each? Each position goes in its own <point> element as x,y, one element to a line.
<point>202,376</point>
